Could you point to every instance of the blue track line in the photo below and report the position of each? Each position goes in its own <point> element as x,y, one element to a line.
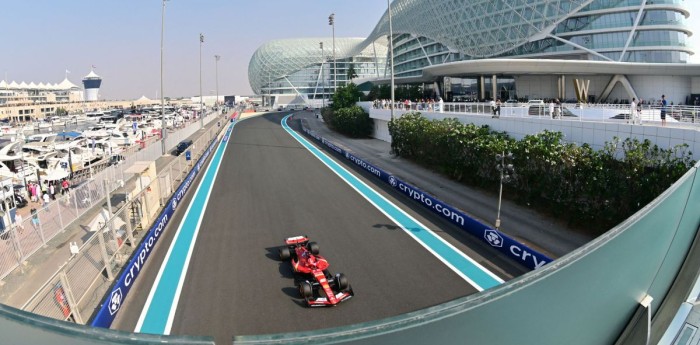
<point>159,310</point>
<point>464,266</point>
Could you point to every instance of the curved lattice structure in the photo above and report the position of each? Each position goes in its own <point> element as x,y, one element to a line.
<point>433,32</point>
<point>481,28</point>
<point>428,33</point>
<point>281,64</point>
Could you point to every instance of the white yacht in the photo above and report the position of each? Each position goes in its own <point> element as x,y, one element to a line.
<point>12,164</point>
<point>97,132</point>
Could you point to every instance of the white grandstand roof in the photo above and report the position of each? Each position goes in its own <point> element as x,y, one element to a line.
<point>66,84</point>
<point>23,85</point>
<point>3,84</point>
<point>32,85</point>
<point>14,85</point>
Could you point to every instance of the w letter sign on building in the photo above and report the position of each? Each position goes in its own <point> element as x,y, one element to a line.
<point>581,89</point>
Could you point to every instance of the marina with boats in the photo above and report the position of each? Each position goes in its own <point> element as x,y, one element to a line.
<point>74,146</point>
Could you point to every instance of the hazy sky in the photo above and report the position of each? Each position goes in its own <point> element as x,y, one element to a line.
<point>44,38</point>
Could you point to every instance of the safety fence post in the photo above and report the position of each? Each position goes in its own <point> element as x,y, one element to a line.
<point>70,299</point>
<point>103,250</point>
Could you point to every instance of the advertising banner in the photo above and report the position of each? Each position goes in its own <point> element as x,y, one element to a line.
<point>513,249</point>
<point>116,297</point>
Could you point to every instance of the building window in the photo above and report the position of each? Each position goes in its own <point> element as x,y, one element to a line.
<point>686,335</point>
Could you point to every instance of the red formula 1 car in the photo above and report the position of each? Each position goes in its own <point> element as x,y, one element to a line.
<point>317,285</point>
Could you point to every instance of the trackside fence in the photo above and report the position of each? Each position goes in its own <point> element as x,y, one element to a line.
<point>41,223</point>
<point>75,291</point>
<point>511,248</point>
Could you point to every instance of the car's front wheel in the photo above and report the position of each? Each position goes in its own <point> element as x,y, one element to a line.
<point>305,290</point>
<point>341,281</point>
<point>313,248</point>
<point>284,253</point>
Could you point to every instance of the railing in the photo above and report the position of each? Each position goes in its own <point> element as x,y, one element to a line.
<point>77,287</point>
<point>676,115</point>
<point>41,223</point>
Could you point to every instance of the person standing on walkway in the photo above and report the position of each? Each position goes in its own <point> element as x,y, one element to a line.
<point>633,110</point>
<point>35,218</point>
<point>46,200</point>
<point>39,194</point>
<point>551,108</point>
<point>18,223</point>
<point>664,104</point>
<point>65,184</point>
<point>32,192</point>
<point>52,191</point>
<point>639,111</point>
<point>441,105</point>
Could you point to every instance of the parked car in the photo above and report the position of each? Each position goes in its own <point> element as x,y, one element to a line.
<point>182,146</point>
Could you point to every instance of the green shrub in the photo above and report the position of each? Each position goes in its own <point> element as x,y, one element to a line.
<point>352,121</point>
<point>576,183</point>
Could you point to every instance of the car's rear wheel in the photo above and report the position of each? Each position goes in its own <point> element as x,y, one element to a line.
<point>284,253</point>
<point>305,290</point>
<point>313,248</point>
<point>341,281</point>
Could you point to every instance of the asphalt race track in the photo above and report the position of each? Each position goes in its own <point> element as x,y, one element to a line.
<point>269,187</point>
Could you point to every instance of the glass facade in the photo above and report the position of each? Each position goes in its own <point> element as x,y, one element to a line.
<point>300,66</point>
<point>606,30</point>
<point>429,33</point>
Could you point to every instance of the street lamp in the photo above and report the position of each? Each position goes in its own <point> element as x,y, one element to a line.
<point>201,96</point>
<point>164,132</point>
<point>331,22</point>
<point>391,55</point>
<point>507,171</point>
<point>323,81</point>
<point>217,57</point>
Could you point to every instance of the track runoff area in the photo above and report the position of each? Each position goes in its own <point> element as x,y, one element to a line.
<point>220,275</point>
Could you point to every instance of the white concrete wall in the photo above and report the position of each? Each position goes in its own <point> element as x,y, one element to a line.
<point>695,85</point>
<point>648,87</point>
<point>537,86</point>
<point>578,132</point>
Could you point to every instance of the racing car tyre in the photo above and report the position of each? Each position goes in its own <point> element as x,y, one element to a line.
<point>285,254</point>
<point>313,248</point>
<point>305,290</point>
<point>341,281</point>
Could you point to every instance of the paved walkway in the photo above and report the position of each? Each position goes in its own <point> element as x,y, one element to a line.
<point>551,237</point>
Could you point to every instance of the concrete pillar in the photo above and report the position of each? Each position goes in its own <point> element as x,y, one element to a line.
<point>494,87</point>
<point>563,88</point>
<point>559,86</point>
<point>482,87</point>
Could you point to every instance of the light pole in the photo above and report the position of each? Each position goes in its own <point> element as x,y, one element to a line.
<point>217,57</point>
<point>331,22</point>
<point>164,132</point>
<point>391,57</point>
<point>201,96</point>
<point>323,81</point>
<point>507,171</point>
